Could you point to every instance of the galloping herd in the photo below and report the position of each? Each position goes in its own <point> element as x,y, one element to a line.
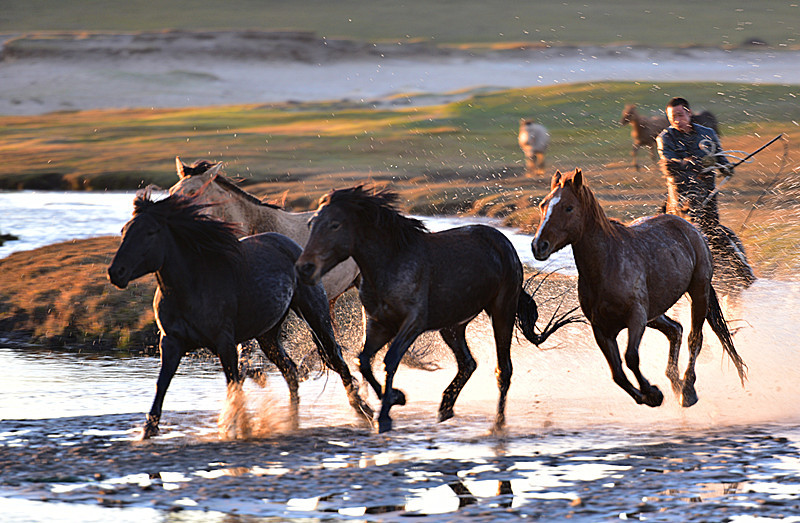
<point>229,268</point>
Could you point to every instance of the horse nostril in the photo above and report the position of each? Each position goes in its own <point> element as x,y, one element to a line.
<point>305,271</point>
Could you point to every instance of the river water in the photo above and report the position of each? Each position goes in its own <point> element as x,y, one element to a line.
<point>577,446</point>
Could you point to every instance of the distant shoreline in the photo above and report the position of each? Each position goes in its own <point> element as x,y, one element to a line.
<point>47,72</point>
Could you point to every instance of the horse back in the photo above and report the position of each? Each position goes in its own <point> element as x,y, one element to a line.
<point>674,255</point>
<point>470,266</point>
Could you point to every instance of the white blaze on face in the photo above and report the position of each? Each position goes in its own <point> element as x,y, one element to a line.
<point>548,213</point>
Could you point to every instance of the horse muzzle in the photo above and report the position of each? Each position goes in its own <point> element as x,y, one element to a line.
<point>118,276</point>
<point>541,249</point>
<point>308,272</point>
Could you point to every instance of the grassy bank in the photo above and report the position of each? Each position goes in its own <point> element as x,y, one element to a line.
<point>450,22</point>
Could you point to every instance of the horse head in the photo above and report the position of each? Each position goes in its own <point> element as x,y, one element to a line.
<point>333,235</point>
<point>629,114</point>
<point>141,250</point>
<point>562,215</point>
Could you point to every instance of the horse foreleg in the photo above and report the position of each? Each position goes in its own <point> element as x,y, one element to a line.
<point>376,337</point>
<point>272,349</point>
<point>171,353</point>
<point>455,338</point>
<point>674,332</point>
<point>608,345</point>
<point>651,395</point>
<point>634,158</point>
<point>392,396</point>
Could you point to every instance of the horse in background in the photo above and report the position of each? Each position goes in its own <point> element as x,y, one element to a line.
<point>415,281</point>
<point>629,277</point>
<point>533,140</point>
<point>645,129</point>
<point>225,200</point>
<point>215,291</point>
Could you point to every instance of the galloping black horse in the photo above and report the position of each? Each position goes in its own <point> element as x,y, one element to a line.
<point>215,291</point>
<point>414,281</point>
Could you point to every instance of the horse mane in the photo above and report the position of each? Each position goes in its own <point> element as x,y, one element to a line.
<point>232,187</point>
<point>379,208</point>
<point>594,210</point>
<point>200,167</point>
<point>191,228</point>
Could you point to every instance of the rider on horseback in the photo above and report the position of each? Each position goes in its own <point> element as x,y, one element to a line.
<point>690,154</point>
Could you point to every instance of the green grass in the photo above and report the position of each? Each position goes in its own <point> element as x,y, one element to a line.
<point>674,23</point>
<point>124,149</point>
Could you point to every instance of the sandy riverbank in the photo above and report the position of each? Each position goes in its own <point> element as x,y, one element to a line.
<point>44,73</point>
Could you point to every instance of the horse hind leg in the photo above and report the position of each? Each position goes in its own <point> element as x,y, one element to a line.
<point>310,305</point>
<point>455,338</point>
<point>698,313</point>
<point>271,346</point>
<point>674,333</point>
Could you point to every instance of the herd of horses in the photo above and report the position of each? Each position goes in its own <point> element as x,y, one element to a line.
<point>229,268</point>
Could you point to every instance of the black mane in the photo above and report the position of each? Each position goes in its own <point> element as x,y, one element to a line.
<point>190,227</point>
<point>201,166</point>
<point>378,208</point>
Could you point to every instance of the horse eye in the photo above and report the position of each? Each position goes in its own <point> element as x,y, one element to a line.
<point>335,226</point>
<point>569,208</point>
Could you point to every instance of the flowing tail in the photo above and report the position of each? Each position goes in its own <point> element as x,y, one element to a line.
<point>720,327</point>
<point>528,313</point>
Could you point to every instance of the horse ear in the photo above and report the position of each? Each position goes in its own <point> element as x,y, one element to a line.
<point>556,180</point>
<point>180,167</point>
<point>214,169</point>
<point>577,178</point>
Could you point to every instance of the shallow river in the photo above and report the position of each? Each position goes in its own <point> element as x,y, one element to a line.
<point>577,446</point>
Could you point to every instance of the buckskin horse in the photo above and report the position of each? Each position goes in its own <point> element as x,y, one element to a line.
<point>415,281</point>
<point>629,276</point>
<point>215,291</point>
<point>204,182</point>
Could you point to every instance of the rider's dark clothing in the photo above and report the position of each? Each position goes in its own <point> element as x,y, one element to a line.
<point>687,185</point>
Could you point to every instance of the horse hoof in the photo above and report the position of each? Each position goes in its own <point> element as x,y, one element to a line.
<point>398,397</point>
<point>654,397</point>
<point>688,398</point>
<point>445,415</point>
<point>149,431</point>
<point>384,425</point>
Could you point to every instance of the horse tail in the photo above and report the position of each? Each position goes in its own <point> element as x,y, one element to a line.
<point>528,314</point>
<point>718,324</point>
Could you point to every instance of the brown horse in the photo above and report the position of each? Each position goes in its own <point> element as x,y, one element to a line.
<point>645,129</point>
<point>629,276</point>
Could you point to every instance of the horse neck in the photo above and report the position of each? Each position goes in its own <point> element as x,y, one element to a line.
<point>176,276</point>
<point>591,249</point>
<point>374,255</point>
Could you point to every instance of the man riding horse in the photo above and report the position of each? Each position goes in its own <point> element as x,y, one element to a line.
<point>690,154</point>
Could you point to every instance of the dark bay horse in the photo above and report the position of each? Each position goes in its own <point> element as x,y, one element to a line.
<point>215,291</point>
<point>645,129</point>
<point>415,281</point>
<point>629,276</point>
